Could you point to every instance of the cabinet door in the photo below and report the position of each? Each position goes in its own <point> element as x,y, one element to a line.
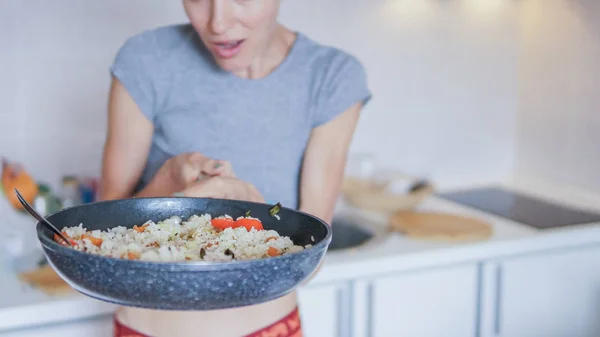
<point>97,327</point>
<point>434,302</point>
<point>323,310</point>
<point>544,295</point>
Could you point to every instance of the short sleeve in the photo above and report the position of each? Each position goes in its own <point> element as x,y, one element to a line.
<point>132,66</point>
<point>343,84</point>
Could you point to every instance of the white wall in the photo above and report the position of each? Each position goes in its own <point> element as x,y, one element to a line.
<point>59,83</point>
<point>559,92</point>
<point>9,118</point>
<point>443,74</point>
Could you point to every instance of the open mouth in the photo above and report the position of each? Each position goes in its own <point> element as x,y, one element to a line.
<point>227,49</point>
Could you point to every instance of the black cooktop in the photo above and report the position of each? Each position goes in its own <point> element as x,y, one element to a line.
<point>521,208</point>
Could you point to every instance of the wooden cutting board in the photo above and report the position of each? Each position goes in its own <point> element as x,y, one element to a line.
<point>440,226</point>
<point>46,280</point>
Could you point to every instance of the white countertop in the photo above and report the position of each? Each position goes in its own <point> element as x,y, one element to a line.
<point>22,307</point>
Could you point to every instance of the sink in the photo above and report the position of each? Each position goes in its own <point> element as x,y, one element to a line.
<point>348,233</point>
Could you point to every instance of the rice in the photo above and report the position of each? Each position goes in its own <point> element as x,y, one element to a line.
<point>173,239</point>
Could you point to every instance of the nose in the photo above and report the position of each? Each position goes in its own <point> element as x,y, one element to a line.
<point>221,18</point>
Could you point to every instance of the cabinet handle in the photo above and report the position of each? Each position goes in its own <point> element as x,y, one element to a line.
<point>370,308</point>
<point>362,300</point>
<point>344,312</point>
<point>498,301</point>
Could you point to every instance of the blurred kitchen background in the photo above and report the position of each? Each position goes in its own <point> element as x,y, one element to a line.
<point>467,93</point>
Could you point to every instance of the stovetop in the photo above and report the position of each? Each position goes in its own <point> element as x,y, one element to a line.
<point>521,208</point>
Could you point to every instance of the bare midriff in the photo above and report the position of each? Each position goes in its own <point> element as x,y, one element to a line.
<point>233,322</point>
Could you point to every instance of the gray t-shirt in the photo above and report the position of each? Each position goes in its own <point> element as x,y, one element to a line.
<point>261,126</point>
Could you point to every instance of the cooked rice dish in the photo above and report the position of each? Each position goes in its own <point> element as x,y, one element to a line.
<point>200,238</point>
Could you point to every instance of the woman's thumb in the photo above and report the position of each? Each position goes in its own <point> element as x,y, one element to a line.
<point>190,172</point>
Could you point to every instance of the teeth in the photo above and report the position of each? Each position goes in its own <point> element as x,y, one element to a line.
<point>229,45</point>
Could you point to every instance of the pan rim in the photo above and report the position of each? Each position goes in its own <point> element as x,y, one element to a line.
<point>48,243</point>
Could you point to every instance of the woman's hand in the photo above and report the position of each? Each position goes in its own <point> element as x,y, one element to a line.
<point>183,170</point>
<point>223,187</point>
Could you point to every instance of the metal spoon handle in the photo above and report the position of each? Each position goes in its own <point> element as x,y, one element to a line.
<point>39,218</point>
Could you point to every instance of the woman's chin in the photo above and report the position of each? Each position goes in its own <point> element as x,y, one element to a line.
<point>235,64</point>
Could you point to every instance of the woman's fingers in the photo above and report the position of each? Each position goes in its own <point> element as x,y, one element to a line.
<point>191,167</point>
<point>208,188</point>
<point>214,167</point>
<point>224,188</point>
<point>255,196</point>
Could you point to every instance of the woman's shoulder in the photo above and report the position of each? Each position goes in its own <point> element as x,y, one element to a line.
<point>319,56</point>
<point>338,79</point>
<point>158,41</point>
<point>147,61</point>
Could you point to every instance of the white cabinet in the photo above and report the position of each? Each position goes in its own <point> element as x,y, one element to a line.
<point>434,302</point>
<point>547,294</point>
<point>325,310</point>
<point>98,327</point>
<point>550,294</point>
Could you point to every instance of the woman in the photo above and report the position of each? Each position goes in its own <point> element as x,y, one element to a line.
<point>233,105</point>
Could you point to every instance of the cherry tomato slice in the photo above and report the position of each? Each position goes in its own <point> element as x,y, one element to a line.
<point>222,223</point>
<point>249,224</point>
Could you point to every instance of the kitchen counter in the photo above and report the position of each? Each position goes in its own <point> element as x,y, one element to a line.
<point>397,252</point>
<point>22,307</point>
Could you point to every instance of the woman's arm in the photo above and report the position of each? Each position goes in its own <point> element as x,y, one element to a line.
<point>126,150</point>
<point>323,167</point>
<point>325,162</point>
<point>126,147</point>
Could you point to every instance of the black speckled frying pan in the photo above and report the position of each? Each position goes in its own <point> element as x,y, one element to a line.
<point>193,285</point>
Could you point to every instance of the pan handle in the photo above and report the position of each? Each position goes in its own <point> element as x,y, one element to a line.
<point>40,218</point>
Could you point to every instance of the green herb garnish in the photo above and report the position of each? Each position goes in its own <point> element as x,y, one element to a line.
<point>275,209</point>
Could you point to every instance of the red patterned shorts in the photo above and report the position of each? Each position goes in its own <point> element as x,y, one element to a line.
<point>289,326</point>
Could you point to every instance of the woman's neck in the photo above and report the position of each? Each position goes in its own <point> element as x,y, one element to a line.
<point>275,52</point>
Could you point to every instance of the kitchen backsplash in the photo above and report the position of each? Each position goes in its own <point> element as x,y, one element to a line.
<point>559,92</point>
<point>465,91</point>
<point>443,75</point>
